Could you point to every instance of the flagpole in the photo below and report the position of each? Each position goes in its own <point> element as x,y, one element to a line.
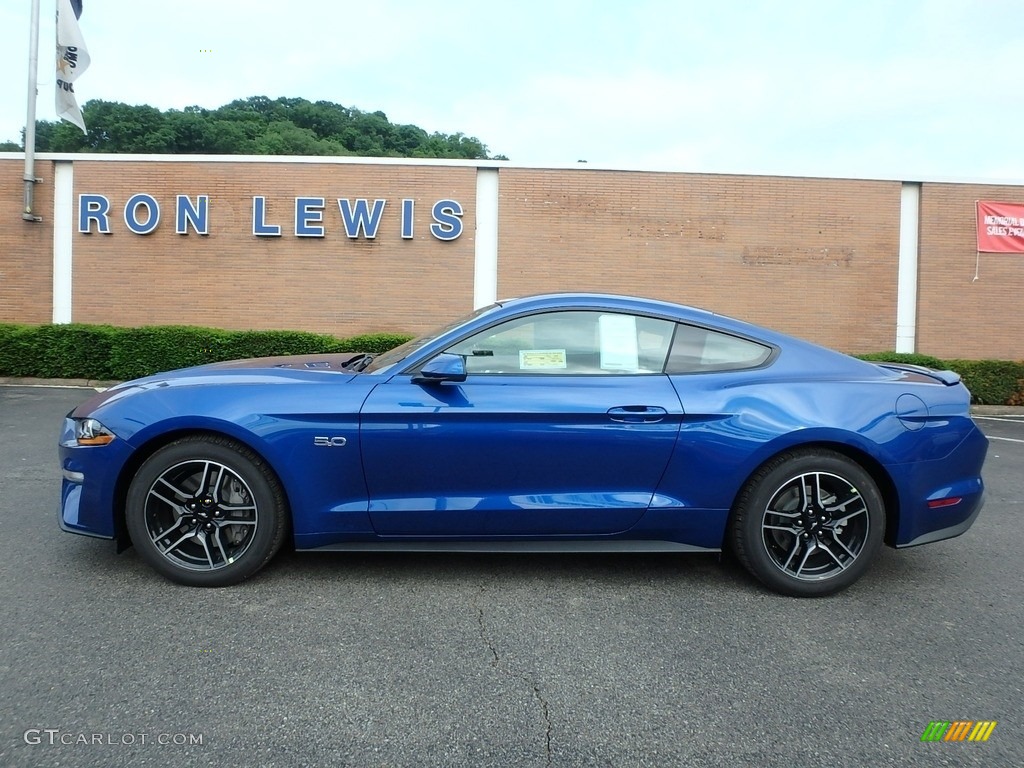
<point>28,213</point>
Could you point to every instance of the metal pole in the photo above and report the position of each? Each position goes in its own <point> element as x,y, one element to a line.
<point>30,120</point>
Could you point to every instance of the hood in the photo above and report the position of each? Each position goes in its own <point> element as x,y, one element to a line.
<point>317,362</point>
<point>260,370</point>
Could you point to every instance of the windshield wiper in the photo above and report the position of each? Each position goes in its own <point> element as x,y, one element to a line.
<point>358,363</point>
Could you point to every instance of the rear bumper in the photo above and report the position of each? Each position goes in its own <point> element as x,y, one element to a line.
<point>948,532</point>
<point>957,477</point>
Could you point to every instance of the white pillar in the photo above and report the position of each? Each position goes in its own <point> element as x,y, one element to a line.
<point>485,266</point>
<point>906,286</point>
<point>63,238</point>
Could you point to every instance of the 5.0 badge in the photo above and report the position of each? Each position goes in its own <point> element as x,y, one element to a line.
<point>329,442</point>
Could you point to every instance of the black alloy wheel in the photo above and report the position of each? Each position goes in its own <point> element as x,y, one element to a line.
<point>808,523</point>
<point>205,511</point>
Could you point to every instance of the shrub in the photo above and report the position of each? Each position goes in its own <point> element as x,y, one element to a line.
<point>105,352</point>
<point>909,358</point>
<point>1018,397</point>
<point>14,350</point>
<point>992,382</point>
<point>47,351</point>
<point>141,351</point>
<point>373,343</point>
<point>248,344</point>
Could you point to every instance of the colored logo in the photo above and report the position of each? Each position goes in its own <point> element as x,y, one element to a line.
<point>958,730</point>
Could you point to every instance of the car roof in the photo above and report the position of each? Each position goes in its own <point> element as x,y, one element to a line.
<point>680,312</point>
<point>598,299</point>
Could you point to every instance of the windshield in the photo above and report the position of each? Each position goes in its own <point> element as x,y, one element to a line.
<point>399,353</point>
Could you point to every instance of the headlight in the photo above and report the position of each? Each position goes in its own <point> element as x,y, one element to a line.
<point>91,432</point>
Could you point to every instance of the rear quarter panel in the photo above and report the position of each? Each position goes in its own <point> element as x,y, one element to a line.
<point>734,422</point>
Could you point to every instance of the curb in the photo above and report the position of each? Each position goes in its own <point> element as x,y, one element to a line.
<point>997,410</point>
<point>14,381</point>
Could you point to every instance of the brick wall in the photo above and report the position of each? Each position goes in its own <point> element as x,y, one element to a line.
<point>232,279</point>
<point>959,316</point>
<point>26,248</point>
<point>815,258</point>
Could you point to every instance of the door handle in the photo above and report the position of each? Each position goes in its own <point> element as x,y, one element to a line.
<point>637,414</point>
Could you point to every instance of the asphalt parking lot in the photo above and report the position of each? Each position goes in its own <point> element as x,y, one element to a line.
<point>435,660</point>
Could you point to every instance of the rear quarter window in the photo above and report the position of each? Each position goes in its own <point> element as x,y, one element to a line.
<point>699,350</point>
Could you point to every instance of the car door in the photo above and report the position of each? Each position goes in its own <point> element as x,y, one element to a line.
<point>563,425</point>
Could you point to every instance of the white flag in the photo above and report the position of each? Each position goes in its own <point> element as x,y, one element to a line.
<point>72,60</point>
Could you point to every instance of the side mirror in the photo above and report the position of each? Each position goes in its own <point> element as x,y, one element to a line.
<point>444,367</point>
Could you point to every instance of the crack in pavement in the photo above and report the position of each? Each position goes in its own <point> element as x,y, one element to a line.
<point>535,687</point>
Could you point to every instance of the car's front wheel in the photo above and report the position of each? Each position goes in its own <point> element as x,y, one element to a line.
<point>205,511</point>
<point>808,523</point>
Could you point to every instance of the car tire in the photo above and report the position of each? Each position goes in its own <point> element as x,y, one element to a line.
<point>205,511</point>
<point>808,523</point>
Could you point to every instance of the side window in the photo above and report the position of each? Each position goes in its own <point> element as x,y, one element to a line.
<point>696,350</point>
<point>573,343</point>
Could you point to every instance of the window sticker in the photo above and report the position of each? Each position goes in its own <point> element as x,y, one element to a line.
<point>618,343</point>
<point>541,359</point>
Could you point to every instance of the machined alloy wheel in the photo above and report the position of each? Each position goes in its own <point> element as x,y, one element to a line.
<point>815,526</point>
<point>204,511</point>
<point>808,523</point>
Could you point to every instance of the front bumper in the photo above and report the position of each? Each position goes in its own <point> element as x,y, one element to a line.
<point>88,487</point>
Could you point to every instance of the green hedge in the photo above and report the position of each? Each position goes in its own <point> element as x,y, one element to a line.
<point>903,357</point>
<point>105,352</point>
<point>47,351</point>
<point>991,382</point>
<point>374,343</point>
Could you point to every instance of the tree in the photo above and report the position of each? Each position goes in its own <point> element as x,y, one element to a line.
<point>254,126</point>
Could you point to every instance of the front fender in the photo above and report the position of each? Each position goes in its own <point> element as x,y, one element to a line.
<point>286,425</point>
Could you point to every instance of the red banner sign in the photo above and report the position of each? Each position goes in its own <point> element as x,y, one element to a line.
<point>1000,227</point>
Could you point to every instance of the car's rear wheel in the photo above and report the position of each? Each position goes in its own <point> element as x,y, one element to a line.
<point>808,523</point>
<point>206,511</point>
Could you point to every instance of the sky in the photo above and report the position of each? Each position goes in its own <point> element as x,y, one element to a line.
<point>895,89</point>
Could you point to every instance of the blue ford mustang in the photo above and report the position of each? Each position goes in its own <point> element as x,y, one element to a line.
<point>566,422</point>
